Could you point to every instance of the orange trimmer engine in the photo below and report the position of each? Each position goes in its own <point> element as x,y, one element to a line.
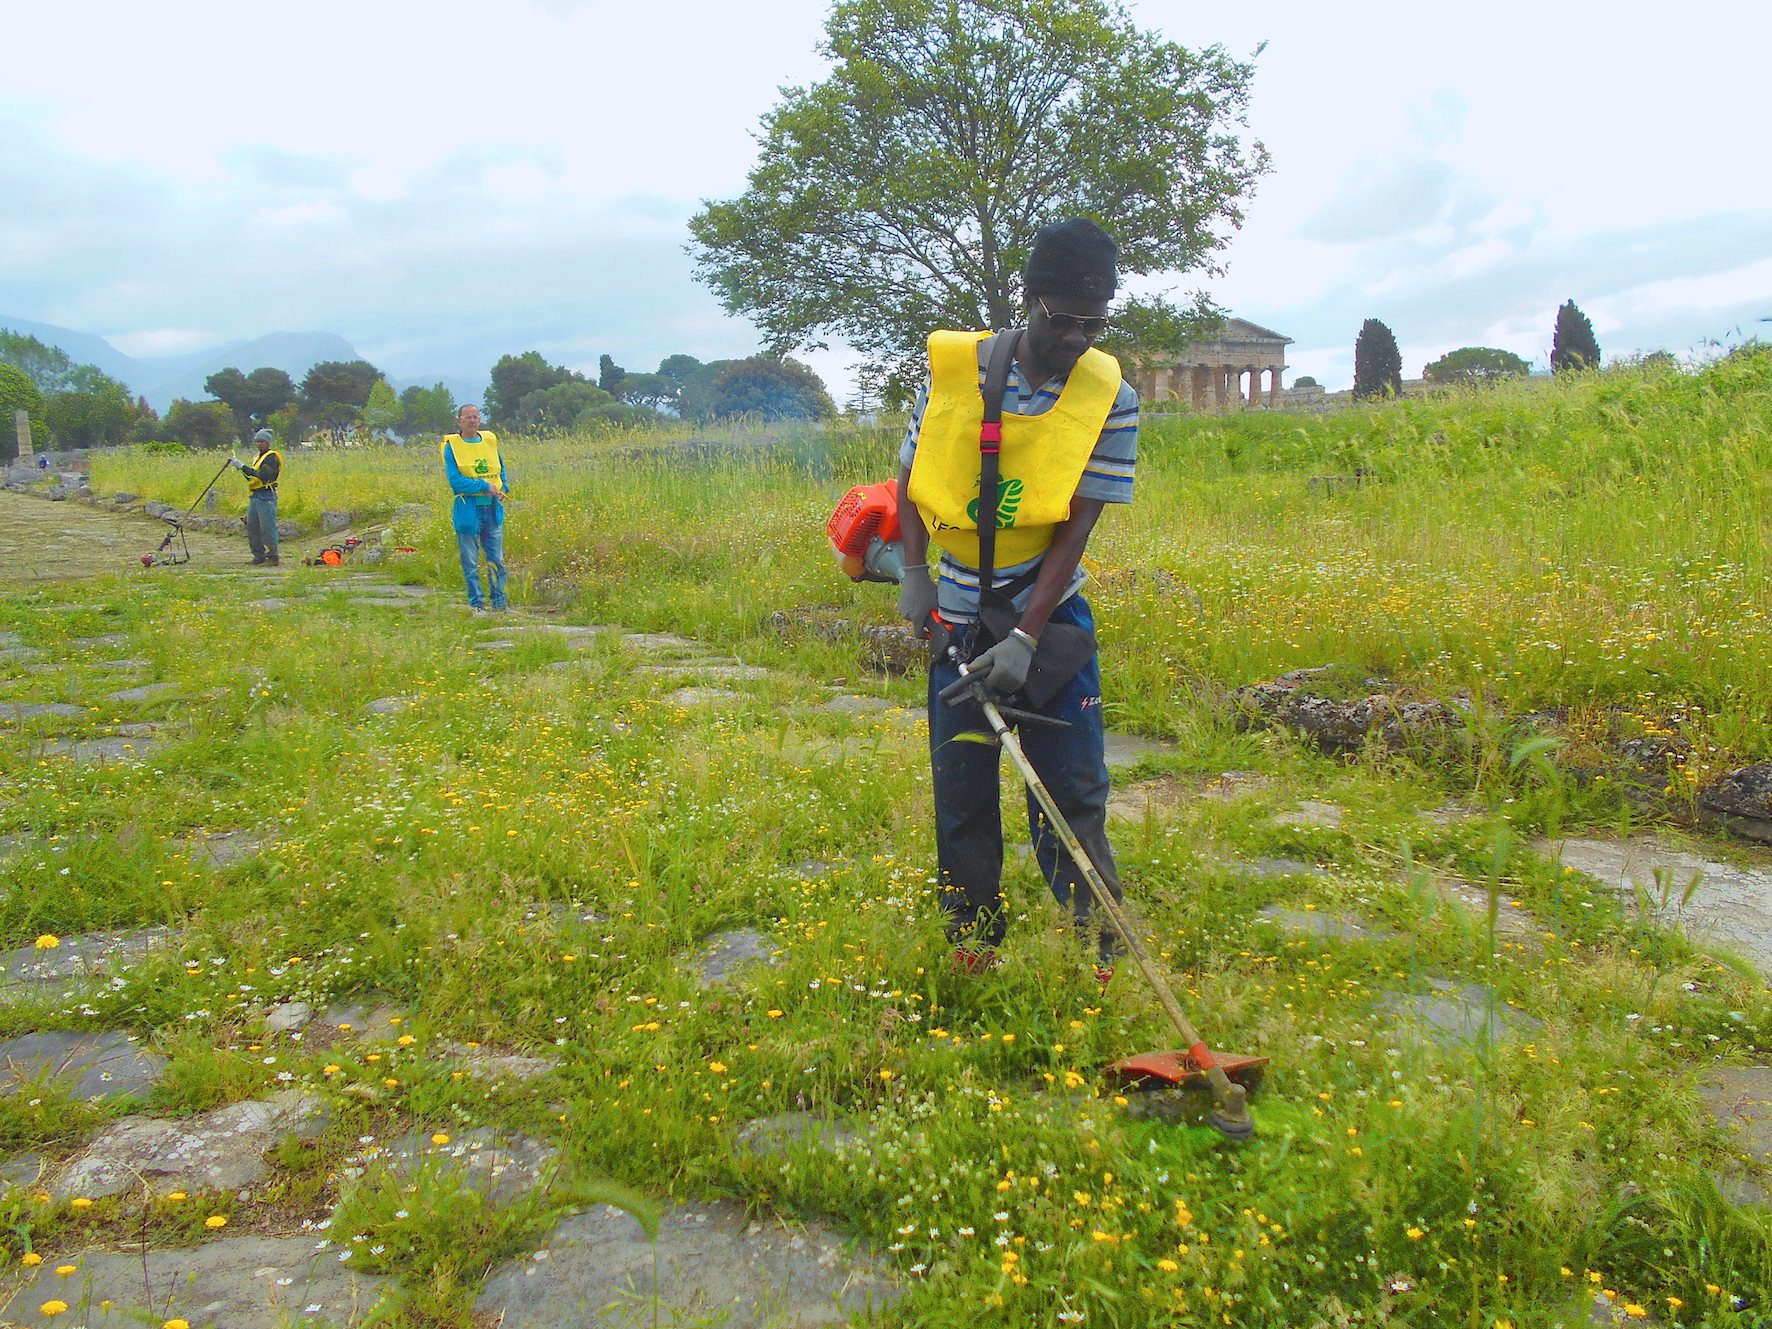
<point>864,533</point>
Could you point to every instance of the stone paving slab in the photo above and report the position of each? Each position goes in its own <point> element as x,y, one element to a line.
<point>725,956</point>
<point>1321,923</point>
<point>1732,905</point>
<point>220,848</point>
<point>104,639</point>
<point>496,644</point>
<point>491,1064</point>
<point>1511,920</point>
<point>89,955</point>
<point>245,1282</point>
<point>499,1165</point>
<point>146,692</point>
<point>362,1022</point>
<point>1124,750</point>
<point>730,673</point>
<point>384,601</point>
<point>849,703</point>
<point>1275,869</point>
<point>90,1065</point>
<point>119,666</point>
<point>1739,1100</point>
<point>18,711</point>
<point>1312,814</point>
<point>714,1266</point>
<point>1146,799</point>
<point>1454,1013</point>
<point>390,705</point>
<point>222,1150</point>
<point>687,697</point>
<point>767,1137</point>
<point>660,642</point>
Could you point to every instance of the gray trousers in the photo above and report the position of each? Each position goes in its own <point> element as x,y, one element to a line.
<point>261,525</point>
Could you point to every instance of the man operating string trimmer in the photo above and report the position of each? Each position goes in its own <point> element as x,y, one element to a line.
<point>1068,441</point>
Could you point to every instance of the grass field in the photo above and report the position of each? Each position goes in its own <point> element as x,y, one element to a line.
<point>1596,545</point>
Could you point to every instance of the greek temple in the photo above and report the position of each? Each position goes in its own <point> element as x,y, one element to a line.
<point>1224,374</point>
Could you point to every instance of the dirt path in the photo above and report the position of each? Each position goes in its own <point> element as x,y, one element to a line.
<point>41,541</point>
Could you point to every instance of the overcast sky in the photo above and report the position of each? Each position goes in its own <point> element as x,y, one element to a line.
<point>443,182</point>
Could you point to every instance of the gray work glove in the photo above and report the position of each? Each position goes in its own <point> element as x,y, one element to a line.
<point>916,599</point>
<point>236,463</point>
<point>1005,665</point>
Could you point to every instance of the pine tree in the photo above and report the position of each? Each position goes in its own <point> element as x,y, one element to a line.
<point>1573,345</point>
<point>1378,364</point>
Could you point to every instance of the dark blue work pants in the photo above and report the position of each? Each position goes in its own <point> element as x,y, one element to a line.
<point>968,816</point>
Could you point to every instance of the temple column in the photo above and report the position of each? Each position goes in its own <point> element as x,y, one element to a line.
<point>1273,390</point>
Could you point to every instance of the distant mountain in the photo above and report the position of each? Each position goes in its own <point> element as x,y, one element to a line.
<point>294,353</point>
<point>81,347</point>
<point>160,378</point>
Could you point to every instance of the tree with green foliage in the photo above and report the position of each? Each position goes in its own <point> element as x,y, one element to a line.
<point>145,427</point>
<point>1573,345</point>
<point>17,393</point>
<point>1476,364</point>
<point>514,377</point>
<point>426,411</point>
<point>677,369</point>
<point>199,424</point>
<point>1378,364</point>
<point>649,391</point>
<point>382,412</point>
<point>902,193</point>
<point>610,374</point>
<point>99,413</point>
<point>334,392</point>
<point>557,409</point>
<point>253,397</point>
<point>695,399</point>
<point>767,387</point>
<point>48,367</point>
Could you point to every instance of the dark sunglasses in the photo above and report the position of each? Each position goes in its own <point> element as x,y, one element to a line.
<point>1092,325</point>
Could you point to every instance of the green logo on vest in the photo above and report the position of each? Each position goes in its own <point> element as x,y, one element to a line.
<point>1008,500</point>
<point>482,466</point>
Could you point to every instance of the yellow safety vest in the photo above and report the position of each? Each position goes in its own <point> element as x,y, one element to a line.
<point>253,483</point>
<point>478,459</point>
<point>1042,456</point>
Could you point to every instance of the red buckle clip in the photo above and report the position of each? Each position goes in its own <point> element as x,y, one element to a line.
<point>991,432</point>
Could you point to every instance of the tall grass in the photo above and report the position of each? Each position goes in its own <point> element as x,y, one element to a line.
<point>1597,540</point>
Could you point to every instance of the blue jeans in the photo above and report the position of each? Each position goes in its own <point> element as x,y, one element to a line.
<point>261,525</point>
<point>968,815</point>
<point>489,535</point>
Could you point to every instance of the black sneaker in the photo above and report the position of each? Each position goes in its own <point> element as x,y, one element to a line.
<point>256,562</point>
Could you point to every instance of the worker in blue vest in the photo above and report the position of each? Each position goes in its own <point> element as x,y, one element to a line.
<point>477,478</point>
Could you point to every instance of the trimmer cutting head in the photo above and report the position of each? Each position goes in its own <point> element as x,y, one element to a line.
<point>1179,1070</point>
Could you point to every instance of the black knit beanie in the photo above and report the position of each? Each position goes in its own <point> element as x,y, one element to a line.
<point>1075,258</point>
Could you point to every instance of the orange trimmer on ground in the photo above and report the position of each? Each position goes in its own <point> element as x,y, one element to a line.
<point>864,532</point>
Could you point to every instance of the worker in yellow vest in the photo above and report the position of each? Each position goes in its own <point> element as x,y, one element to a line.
<point>261,498</point>
<point>1066,448</point>
<point>477,478</point>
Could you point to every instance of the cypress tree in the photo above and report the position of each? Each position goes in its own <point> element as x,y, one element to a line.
<point>1573,345</point>
<point>1378,364</point>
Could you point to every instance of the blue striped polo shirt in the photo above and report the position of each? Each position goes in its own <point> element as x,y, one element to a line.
<point>1107,476</point>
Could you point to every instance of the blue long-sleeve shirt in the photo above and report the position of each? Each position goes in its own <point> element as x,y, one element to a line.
<point>471,494</point>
